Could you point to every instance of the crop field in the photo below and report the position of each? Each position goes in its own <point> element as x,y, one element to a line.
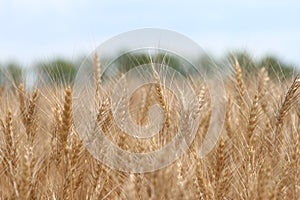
<point>257,156</point>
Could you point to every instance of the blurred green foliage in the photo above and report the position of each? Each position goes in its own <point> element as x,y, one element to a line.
<point>11,73</point>
<point>130,60</point>
<point>16,73</point>
<point>276,67</point>
<point>58,71</point>
<point>245,60</point>
<point>63,71</point>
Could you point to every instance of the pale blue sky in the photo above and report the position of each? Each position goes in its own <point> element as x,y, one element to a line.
<point>39,30</point>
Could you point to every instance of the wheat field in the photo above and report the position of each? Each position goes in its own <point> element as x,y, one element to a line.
<point>257,155</point>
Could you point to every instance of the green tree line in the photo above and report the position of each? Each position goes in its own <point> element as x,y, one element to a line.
<point>61,70</point>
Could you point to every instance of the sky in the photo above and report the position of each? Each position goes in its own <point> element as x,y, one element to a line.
<point>35,30</point>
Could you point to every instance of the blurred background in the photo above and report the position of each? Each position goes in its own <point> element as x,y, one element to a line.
<point>36,33</point>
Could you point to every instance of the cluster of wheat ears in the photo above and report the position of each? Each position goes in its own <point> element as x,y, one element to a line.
<point>257,155</point>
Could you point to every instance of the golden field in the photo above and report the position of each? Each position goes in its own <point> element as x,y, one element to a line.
<point>256,157</point>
